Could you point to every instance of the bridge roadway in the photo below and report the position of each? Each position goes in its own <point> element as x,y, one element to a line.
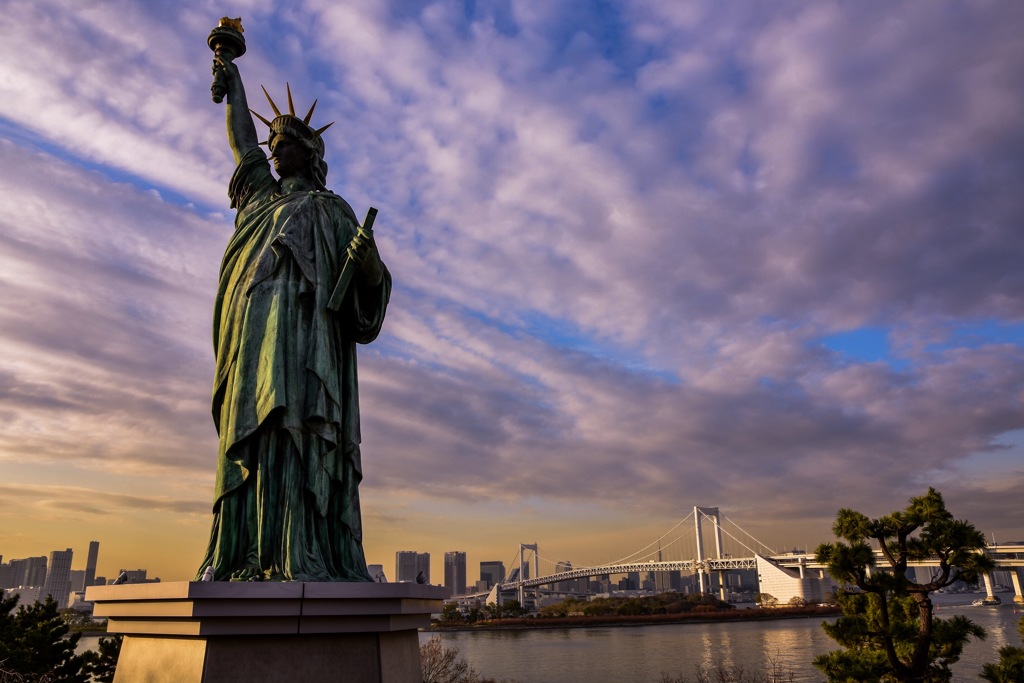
<point>1005,557</point>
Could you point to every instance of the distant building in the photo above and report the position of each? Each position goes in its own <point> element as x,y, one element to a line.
<point>26,594</point>
<point>58,577</point>
<point>6,575</point>
<point>784,584</point>
<point>663,581</point>
<point>423,565</point>
<point>30,571</point>
<point>375,571</point>
<point>564,586</point>
<point>137,576</point>
<point>455,572</point>
<point>405,565</point>
<point>35,572</point>
<point>409,563</point>
<point>77,580</point>
<point>79,603</point>
<point>492,572</point>
<point>90,564</point>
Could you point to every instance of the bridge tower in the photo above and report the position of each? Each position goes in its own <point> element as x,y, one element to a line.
<point>524,565</point>
<point>703,575</point>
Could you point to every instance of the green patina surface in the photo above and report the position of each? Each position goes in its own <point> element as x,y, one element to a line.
<point>285,394</point>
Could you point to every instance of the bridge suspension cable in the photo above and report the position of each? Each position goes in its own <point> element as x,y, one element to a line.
<point>631,556</point>
<point>759,543</point>
<point>513,563</point>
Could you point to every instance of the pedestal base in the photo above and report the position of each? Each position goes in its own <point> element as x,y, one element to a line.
<point>359,658</point>
<point>217,632</point>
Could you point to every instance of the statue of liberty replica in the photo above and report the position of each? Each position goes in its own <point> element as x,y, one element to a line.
<point>301,283</point>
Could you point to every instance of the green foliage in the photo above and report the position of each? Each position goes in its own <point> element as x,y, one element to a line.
<point>1010,667</point>
<point>35,644</point>
<point>450,614</point>
<point>887,629</point>
<point>663,603</point>
<point>570,607</point>
<point>867,630</point>
<point>766,600</point>
<point>102,663</point>
<point>510,609</point>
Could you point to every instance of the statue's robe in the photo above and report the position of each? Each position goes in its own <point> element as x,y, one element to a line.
<point>285,397</point>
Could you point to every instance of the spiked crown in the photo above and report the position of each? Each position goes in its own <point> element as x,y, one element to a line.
<point>291,125</point>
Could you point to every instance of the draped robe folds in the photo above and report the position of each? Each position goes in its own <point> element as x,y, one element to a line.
<point>285,397</point>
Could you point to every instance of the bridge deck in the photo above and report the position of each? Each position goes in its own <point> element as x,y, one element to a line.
<point>1005,557</point>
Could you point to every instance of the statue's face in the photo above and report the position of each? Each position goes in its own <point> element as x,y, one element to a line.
<point>291,157</point>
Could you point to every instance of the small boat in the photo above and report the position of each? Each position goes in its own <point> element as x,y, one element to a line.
<point>988,601</point>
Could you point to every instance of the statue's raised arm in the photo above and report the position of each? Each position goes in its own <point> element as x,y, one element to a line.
<point>227,43</point>
<point>241,130</point>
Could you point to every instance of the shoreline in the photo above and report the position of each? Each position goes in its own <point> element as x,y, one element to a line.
<point>639,620</point>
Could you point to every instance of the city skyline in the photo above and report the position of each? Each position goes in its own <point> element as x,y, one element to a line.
<point>647,255</point>
<point>471,559</point>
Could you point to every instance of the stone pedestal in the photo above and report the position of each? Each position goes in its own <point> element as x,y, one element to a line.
<point>215,632</point>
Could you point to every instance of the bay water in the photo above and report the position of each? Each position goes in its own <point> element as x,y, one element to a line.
<point>641,654</point>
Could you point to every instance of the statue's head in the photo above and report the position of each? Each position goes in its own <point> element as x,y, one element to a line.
<point>292,127</point>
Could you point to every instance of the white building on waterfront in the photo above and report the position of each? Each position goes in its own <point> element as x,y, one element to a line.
<point>784,584</point>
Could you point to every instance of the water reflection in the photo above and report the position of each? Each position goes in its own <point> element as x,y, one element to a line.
<point>643,653</point>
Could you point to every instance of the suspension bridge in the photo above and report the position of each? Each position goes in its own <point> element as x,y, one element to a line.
<point>681,551</point>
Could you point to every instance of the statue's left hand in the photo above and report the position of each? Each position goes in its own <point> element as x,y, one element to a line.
<point>363,251</point>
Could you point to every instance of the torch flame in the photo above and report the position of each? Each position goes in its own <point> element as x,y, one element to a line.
<point>235,23</point>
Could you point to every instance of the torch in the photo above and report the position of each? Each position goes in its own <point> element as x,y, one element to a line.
<point>227,42</point>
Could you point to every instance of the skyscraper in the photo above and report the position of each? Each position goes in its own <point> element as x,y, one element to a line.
<point>35,571</point>
<point>405,565</point>
<point>30,571</point>
<point>455,572</point>
<point>90,563</point>
<point>58,577</point>
<point>492,572</point>
<point>137,576</point>
<point>423,565</point>
<point>565,586</point>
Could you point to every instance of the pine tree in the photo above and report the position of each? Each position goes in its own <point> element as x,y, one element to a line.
<point>34,643</point>
<point>888,630</point>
